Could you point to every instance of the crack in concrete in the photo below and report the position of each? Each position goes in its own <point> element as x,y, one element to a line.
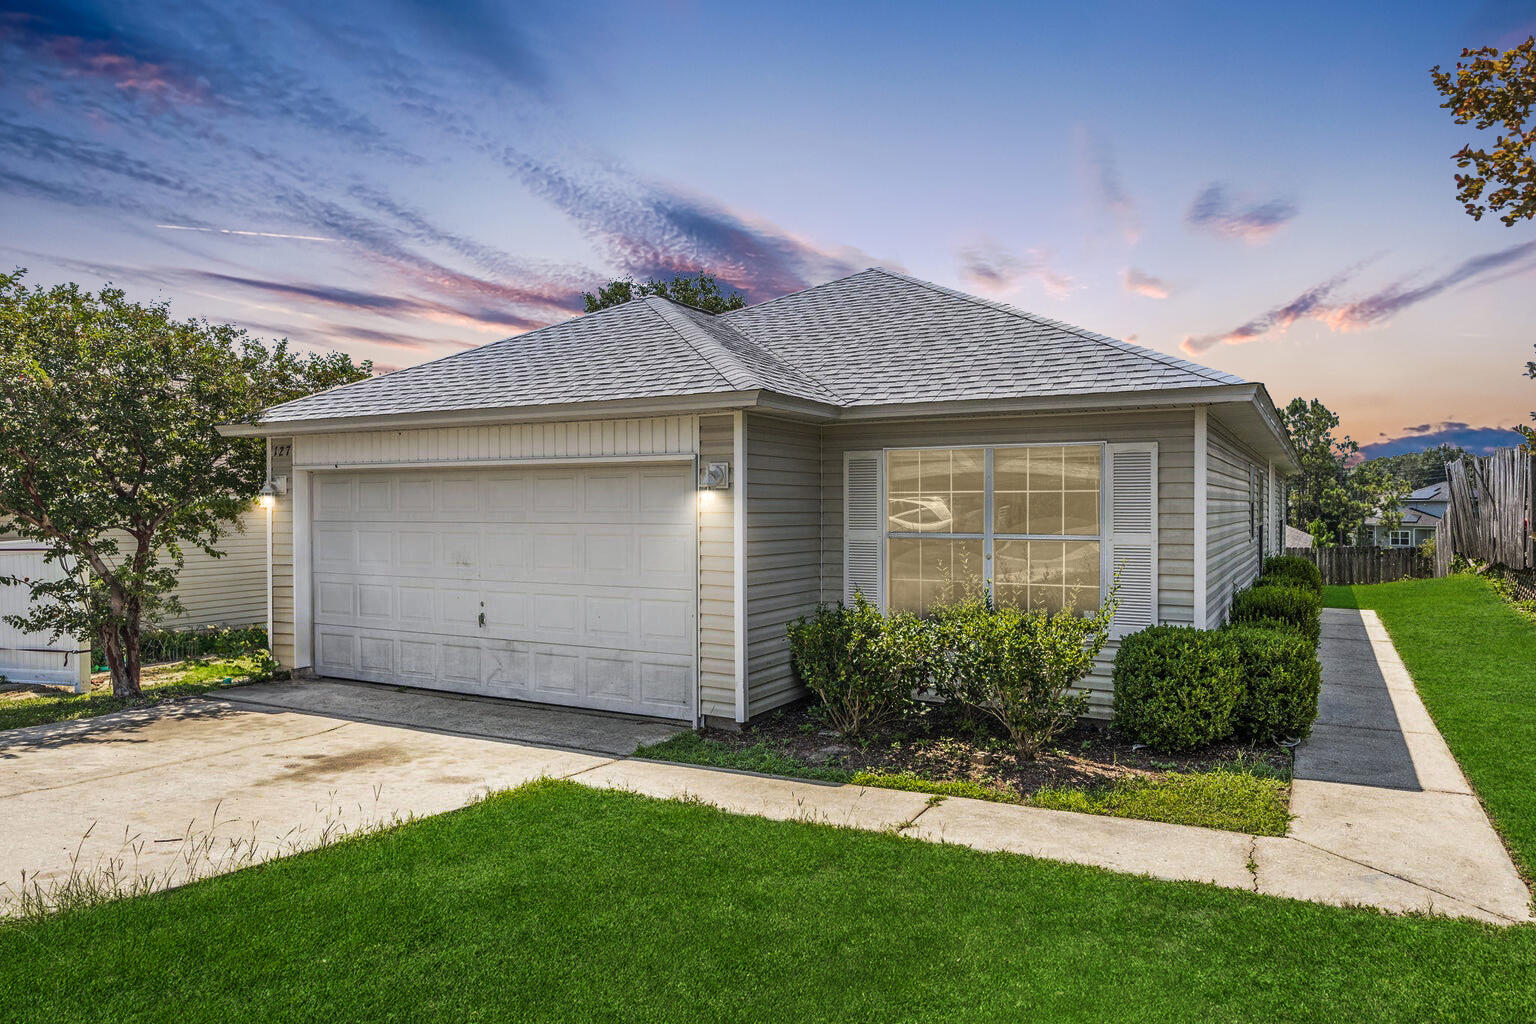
<point>594,767</point>
<point>1404,878</point>
<point>913,820</point>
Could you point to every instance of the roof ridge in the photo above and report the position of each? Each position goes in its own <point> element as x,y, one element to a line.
<point>746,381</point>
<point>799,291</point>
<point>1081,332</point>
<point>717,319</point>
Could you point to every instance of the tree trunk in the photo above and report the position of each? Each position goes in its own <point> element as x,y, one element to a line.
<point>132,629</point>
<point>125,670</point>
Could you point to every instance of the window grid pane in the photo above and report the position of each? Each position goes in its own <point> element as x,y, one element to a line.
<point>1039,492</point>
<point>926,572</point>
<point>938,490</point>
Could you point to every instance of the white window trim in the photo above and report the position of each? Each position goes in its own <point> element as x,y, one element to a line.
<point>989,537</point>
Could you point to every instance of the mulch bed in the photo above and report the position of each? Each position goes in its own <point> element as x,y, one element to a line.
<point>947,746</point>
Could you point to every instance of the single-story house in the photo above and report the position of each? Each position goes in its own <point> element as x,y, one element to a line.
<point>226,591</point>
<point>1421,513</point>
<point>624,511</point>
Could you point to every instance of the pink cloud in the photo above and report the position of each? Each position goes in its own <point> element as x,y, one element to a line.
<point>1139,283</point>
<point>1375,310</point>
<point>989,267</point>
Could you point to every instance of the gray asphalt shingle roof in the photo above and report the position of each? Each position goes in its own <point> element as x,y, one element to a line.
<point>872,338</point>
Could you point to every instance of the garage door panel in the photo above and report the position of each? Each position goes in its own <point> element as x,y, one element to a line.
<point>604,494</point>
<point>336,600</point>
<point>554,494</point>
<point>507,497</point>
<point>333,498</point>
<point>334,547</point>
<point>375,495</point>
<point>585,579</point>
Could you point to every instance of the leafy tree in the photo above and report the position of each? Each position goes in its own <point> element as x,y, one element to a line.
<point>1332,497</point>
<point>701,291</point>
<point>1525,431</point>
<point>109,456</point>
<point>1494,88</point>
<point>1420,469</point>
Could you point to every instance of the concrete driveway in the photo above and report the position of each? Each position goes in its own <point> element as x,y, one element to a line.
<point>202,786</point>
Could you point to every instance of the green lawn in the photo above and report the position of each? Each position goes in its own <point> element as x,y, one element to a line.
<point>560,903</point>
<point>1238,800</point>
<point>1473,659</point>
<point>188,679</point>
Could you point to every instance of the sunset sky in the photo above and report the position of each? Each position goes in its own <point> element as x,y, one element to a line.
<point>1264,188</point>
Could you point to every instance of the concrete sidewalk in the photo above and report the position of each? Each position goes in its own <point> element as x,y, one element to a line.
<point>1384,817</point>
<point>1383,814</point>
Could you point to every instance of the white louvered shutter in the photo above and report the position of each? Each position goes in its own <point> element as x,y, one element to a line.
<point>864,527</point>
<point>1131,533</point>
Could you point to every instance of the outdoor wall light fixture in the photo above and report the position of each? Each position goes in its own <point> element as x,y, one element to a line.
<point>272,490</point>
<point>715,476</point>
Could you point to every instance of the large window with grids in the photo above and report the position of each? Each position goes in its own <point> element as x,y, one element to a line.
<point>1024,519</point>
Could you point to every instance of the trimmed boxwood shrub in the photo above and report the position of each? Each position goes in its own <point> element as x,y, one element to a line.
<point>1017,666</point>
<point>1281,678</point>
<point>862,665</point>
<point>1294,607</point>
<point>1292,570</point>
<point>1177,687</point>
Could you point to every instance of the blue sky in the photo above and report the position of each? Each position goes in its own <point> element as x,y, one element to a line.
<point>1267,190</point>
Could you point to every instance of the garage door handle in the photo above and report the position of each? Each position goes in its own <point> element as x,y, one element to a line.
<point>482,618</point>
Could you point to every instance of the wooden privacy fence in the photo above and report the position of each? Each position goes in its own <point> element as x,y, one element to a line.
<point>1489,517</point>
<point>1351,565</point>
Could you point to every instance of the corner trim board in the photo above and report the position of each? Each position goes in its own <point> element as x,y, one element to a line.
<point>1202,533</point>
<point>739,553</point>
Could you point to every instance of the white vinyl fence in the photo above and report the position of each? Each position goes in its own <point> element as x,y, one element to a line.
<point>32,657</point>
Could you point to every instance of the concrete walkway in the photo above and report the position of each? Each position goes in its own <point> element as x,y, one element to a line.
<point>1383,815</point>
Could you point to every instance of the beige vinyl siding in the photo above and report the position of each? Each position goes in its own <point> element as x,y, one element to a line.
<point>1233,559</point>
<point>227,591</point>
<point>783,490</point>
<point>717,574</point>
<point>282,558</point>
<point>1172,430</point>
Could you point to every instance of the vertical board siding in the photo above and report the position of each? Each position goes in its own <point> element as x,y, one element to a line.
<point>227,591</point>
<point>783,551</point>
<point>660,435</point>
<point>1234,544</point>
<point>717,575</point>
<point>1172,430</point>
<point>36,657</point>
<point>282,564</point>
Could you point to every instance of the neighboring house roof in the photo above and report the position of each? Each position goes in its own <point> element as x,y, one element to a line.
<point>875,338</point>
<point>1295,538</point>
<point>1434,492</point>
<point>1411,517</point>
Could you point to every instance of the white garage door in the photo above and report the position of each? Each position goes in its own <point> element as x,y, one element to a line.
<point>570,586</point>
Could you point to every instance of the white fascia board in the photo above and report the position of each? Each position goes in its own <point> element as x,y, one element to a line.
<point>671,405</point>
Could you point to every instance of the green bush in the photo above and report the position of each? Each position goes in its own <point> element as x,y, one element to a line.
<point>1289,606</point>
<point>863,666</point>
<point>1177,687</point>
<point>1292,570</point>
<point>1281,678</point>
<point>1017,666</point>
<point>157,645</point>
